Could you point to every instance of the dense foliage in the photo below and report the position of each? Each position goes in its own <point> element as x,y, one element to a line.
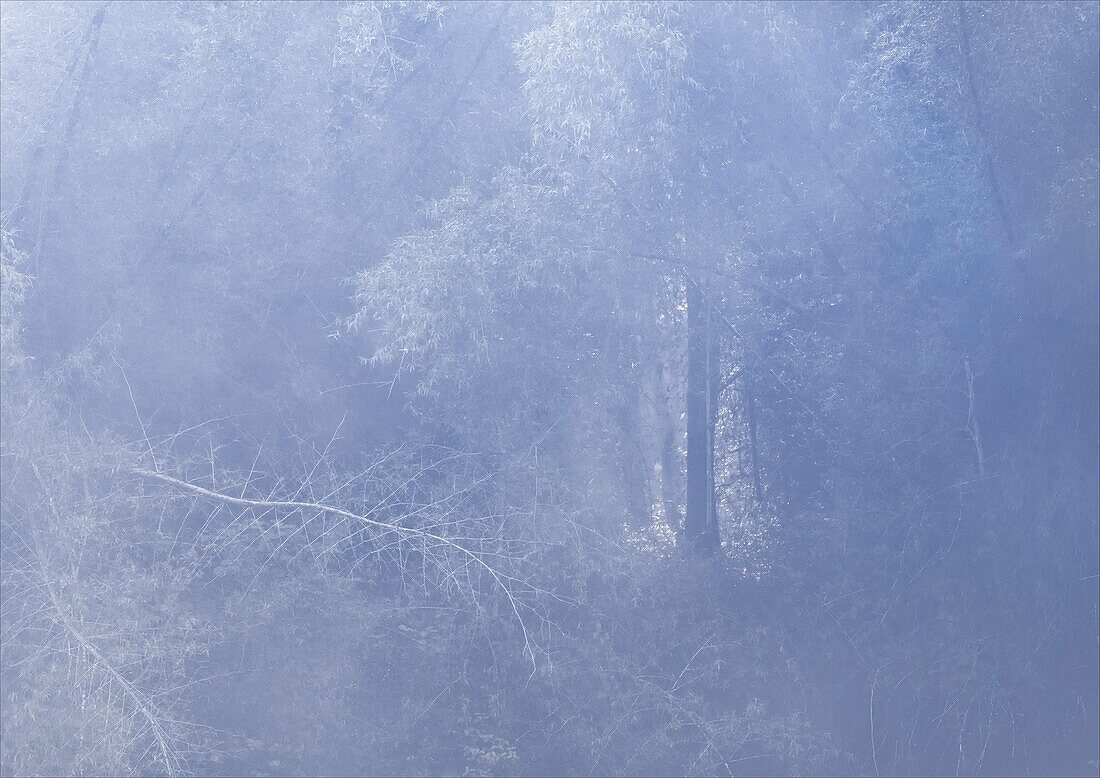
<point>445,388</point>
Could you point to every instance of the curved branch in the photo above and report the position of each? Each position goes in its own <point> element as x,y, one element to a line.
<point>498,577</point>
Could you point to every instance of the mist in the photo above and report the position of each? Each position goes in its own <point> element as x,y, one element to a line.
<point>525,389</point>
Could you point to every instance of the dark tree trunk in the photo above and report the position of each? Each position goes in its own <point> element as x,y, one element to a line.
<point>700,521</point>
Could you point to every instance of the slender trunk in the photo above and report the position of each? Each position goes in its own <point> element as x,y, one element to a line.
<point>700,524</point>
<point>754,451</point>
<point>984,150</point>
<point>664,437</point>
<point>51,185</point>
<point>38,174</point>
<point>669,504</point>
<point>713,391</point>
<point>632,461</point>
<point>972,420</point>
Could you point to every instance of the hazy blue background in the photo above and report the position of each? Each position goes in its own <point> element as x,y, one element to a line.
<point>441,388</point>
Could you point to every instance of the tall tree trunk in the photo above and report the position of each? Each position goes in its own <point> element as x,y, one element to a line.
<point>984,150</point>
<point>754,451</point>
<point>700,521</point>
<point>670,505</point>
<point>635,478</point>
<point>664,418</point>
<point>38,174</point>
<point>714,388</point>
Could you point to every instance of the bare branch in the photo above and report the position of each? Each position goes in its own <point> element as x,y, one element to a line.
<point>498,577</point>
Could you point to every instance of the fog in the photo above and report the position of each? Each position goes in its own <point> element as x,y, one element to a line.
<point>523,389</point>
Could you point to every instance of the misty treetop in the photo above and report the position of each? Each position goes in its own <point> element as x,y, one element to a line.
<point>583,388</point>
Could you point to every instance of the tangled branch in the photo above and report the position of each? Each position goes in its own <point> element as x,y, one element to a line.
<point>502,580</point>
